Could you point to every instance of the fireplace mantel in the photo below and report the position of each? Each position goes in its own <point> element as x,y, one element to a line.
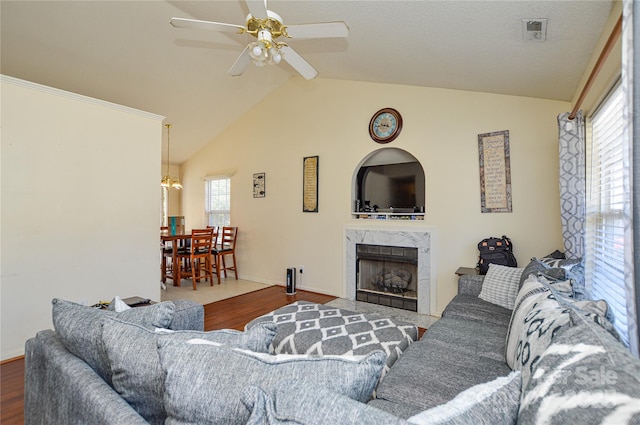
<point>409,235</point>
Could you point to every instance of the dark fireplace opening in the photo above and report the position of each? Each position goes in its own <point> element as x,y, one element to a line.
<point>387,275</point>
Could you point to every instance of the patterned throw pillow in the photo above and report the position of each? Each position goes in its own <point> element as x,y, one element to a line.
<point>584,377</point>
<point>500,285</point>
<point>205,380</point>
<point>80,328</point>
<point>495,402</point>
<point>310,328</point>
<point>573,265</point>
<point>298,402</point>
<point>133,355</point>
<point>526,298</point>
<point>538,316</point>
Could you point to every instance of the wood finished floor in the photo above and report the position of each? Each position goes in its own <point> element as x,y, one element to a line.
<point>232,313</point>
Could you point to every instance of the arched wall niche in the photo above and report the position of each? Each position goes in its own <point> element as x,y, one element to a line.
<point>389,180</point>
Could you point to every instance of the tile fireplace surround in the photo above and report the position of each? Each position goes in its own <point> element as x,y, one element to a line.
<point>409,235</point>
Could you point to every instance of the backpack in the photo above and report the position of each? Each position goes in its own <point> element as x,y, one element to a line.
<point>496,251</point>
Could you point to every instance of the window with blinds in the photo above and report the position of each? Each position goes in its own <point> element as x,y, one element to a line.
<point>604,233</point>
<point>218,201</point>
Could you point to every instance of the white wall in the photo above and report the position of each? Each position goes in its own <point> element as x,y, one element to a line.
<point>80,205</point>
<point>330,118</point>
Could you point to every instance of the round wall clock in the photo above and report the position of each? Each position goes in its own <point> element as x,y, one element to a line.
<point>385,125</point>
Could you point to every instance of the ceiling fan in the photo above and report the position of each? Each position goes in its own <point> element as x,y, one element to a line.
<point>267,27</point>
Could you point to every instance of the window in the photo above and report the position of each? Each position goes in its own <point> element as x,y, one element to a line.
<point>218,201</point>
<point>606,198</point>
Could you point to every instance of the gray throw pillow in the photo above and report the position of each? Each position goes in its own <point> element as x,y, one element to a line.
<point>495,402</point>
<point>585,377</point>
<point>300,402</point>
<point>135,364</point>
<point>205,380</point>
<point>80,328</point>
<point>534,267</point>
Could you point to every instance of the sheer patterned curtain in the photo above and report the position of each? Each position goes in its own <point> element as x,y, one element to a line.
<point>571,137</point>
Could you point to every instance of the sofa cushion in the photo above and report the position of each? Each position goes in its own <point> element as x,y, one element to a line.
<point>189,315</point>
<point>452,356</point>
<point>501,285</point>
<point>401,410</point>
<point>469,307</point>
<point>135,364</point>
<point>494,402</point>
<point>299,402</point>
<point>80,328</point>
<point>204,380</point>
<point>585,377</point>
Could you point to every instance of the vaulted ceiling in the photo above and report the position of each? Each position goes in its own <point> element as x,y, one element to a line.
<point>127,53</point>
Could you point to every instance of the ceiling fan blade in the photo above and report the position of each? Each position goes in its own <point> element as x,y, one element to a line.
<point>258,8</point>
<point>241,63</point>
<point>319,30</point>
<point>299,64</point>
<point>205,25</point>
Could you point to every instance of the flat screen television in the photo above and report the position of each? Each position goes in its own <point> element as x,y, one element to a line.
<point>398,186</point>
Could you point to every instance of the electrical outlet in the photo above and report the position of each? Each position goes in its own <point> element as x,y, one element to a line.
<point>301,268</point>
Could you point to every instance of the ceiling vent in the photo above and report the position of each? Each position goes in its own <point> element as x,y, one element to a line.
<point>534,29</point>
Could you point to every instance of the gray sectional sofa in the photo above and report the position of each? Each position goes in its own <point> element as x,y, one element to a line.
<point>568,368</point>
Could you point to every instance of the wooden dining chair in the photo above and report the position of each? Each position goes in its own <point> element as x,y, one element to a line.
<point>197,257</point>
<point>226,246</point>
<point>166,250</point>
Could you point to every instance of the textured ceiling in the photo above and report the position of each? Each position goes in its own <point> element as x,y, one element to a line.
<point>127,53</point>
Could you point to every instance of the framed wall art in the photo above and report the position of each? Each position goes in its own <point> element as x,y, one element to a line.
<point>310,184</point>
<point>259,185</point>
<point>495,172</point>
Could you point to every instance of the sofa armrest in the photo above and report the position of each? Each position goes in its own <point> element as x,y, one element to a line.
<point>62,389</point>
<point>470,284</point>
<point>189,315</point>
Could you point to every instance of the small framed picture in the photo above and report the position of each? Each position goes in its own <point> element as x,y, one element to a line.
<point>258,185</point>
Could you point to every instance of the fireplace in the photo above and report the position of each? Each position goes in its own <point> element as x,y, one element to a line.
<point>387,275</point>
<point>410,246</point>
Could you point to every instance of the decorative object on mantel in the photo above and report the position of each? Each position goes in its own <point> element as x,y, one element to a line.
<point>385,125</point>
<point>310,184</point>
<point>495,172</point>
<point>259,185</point>
<point>168,181</point>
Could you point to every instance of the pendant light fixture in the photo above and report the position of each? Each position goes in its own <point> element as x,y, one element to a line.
<point>168,181</point>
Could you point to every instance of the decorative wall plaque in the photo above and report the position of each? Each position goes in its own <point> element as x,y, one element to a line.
<point>259,185</point>
<point>495,172</point>
<point>310,184</point>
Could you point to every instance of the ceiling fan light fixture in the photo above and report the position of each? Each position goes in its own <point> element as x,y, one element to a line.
<point>267,27</point>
